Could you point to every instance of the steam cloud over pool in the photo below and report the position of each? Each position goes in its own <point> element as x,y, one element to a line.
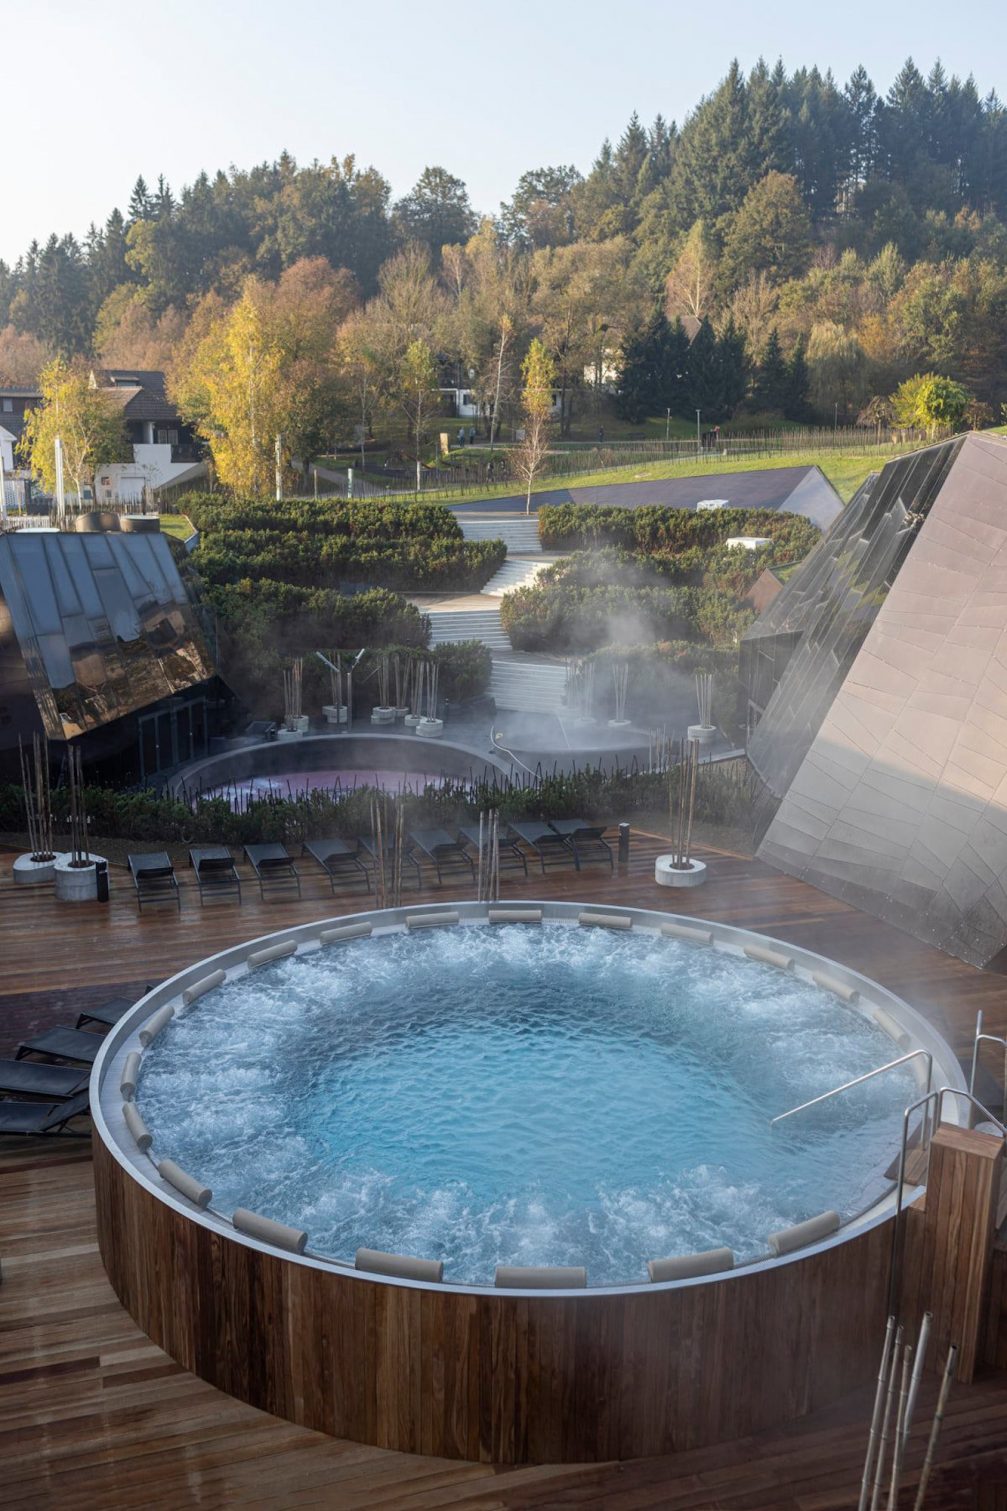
<point>524,1095</point>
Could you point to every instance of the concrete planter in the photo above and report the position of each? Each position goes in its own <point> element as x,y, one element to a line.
<point>667,875</point>
<point>412,720</point>
<point>704,733</point>
<point>334,713</point>
<point>283,733</point>
<point>400,713</point>
<point>298,724</point>
<point>620,723</point>
<point>76,883</point>
<point>381,715</point>
<point>430,729</point>
<point>29,872</point>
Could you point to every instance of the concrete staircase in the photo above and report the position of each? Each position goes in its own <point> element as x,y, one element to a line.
<point>516,572</point>
<point>527,684</point>
<point>468,624</point>
<point>520,536</point>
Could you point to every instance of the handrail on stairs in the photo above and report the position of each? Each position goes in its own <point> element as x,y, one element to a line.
<point>859,1081</point>
<point>933,1104</point>
<point>984,1038</point>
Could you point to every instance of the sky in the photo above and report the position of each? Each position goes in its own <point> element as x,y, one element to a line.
<point>94,94</point>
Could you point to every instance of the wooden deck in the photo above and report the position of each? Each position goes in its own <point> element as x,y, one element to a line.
<point>93,1415</point>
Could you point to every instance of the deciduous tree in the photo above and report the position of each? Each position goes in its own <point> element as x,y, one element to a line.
<point>87,422</point>
<point>539,373</point>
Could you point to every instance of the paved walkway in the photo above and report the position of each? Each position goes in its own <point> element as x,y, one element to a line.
<point>802,490</point>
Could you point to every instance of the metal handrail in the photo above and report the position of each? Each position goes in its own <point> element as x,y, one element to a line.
<point>859,1081</point>
<point>936,1097</point>
<point>983,1038</point>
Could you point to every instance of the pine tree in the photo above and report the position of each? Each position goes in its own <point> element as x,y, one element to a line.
<point>795,406</point>
<point>771,379</point>
<point>140,201</point>
<point>635,396</point>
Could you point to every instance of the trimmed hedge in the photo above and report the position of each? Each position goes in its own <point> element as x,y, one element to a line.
<point>656,529</point>
<point>304,560</point>
<point>366,519</point>
<point>308,543</point>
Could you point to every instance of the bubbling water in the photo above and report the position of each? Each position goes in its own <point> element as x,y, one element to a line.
<point>517,1095</point>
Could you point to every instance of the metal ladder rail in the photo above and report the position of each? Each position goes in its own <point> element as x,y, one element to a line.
<point>984,1038</point>
<point>859,1081</point>
<point>932,1100</point>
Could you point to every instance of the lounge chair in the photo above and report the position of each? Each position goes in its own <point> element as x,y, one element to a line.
<point>154,879</point>
<point>274,868</point>
<point>510,852</point>
<point>108,1014</point>
<point>443,852</point>
<point>551,848</point>
<point>586,840</point>
<point>338,858</point>
<point>35,1079</point>
<point>216,875</point>
<point>43,1117</point>
<point>62,1044</point>
<point>369,847</point>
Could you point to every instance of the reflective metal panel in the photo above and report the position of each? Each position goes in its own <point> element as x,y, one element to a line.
<point>103,622</point>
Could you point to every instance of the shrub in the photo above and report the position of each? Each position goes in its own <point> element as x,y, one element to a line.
<point>658,530</point>
<point>724,795</point>
<point>312,543</point>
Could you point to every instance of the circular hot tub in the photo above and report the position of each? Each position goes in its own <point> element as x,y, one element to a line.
<point>543,1112</point>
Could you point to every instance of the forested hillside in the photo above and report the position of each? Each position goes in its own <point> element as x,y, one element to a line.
<point>827,242</point>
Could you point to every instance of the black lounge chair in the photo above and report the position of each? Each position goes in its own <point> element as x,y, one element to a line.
<point>338,858</point>
<point>369,847</point>
<point>586,840</point>
<point>43,1117</point>
<point>216,874</point>
<point>62,1044</point>
<point>274,868</point>
<point>551,848</point>
<point>443,852</point>
<point>511,854</point>
<point>107,1015</point>
<point>154,879</point>
<point>32,1078</point>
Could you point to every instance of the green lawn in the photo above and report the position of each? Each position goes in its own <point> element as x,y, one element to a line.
<point>178,525</point>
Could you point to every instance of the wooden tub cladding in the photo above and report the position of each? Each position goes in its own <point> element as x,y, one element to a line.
<point>491,1377</point>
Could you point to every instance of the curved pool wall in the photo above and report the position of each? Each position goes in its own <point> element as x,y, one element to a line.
<point>350,751</point>
<point>497,1375</point>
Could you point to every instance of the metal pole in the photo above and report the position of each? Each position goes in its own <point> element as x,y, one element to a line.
<point>879,1468</point>
<point>699,441</point>
<point>898,1442</point>
<point>278,461</point>
<point>935,1430</point>
<point>914,1384</point>
<point>60,494</point>
<point>879,1397</point>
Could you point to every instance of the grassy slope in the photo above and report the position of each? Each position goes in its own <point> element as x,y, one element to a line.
<point>178,525</point>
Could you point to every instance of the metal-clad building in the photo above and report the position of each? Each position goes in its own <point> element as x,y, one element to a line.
<point>877,685</point>
<point>101,643</point>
